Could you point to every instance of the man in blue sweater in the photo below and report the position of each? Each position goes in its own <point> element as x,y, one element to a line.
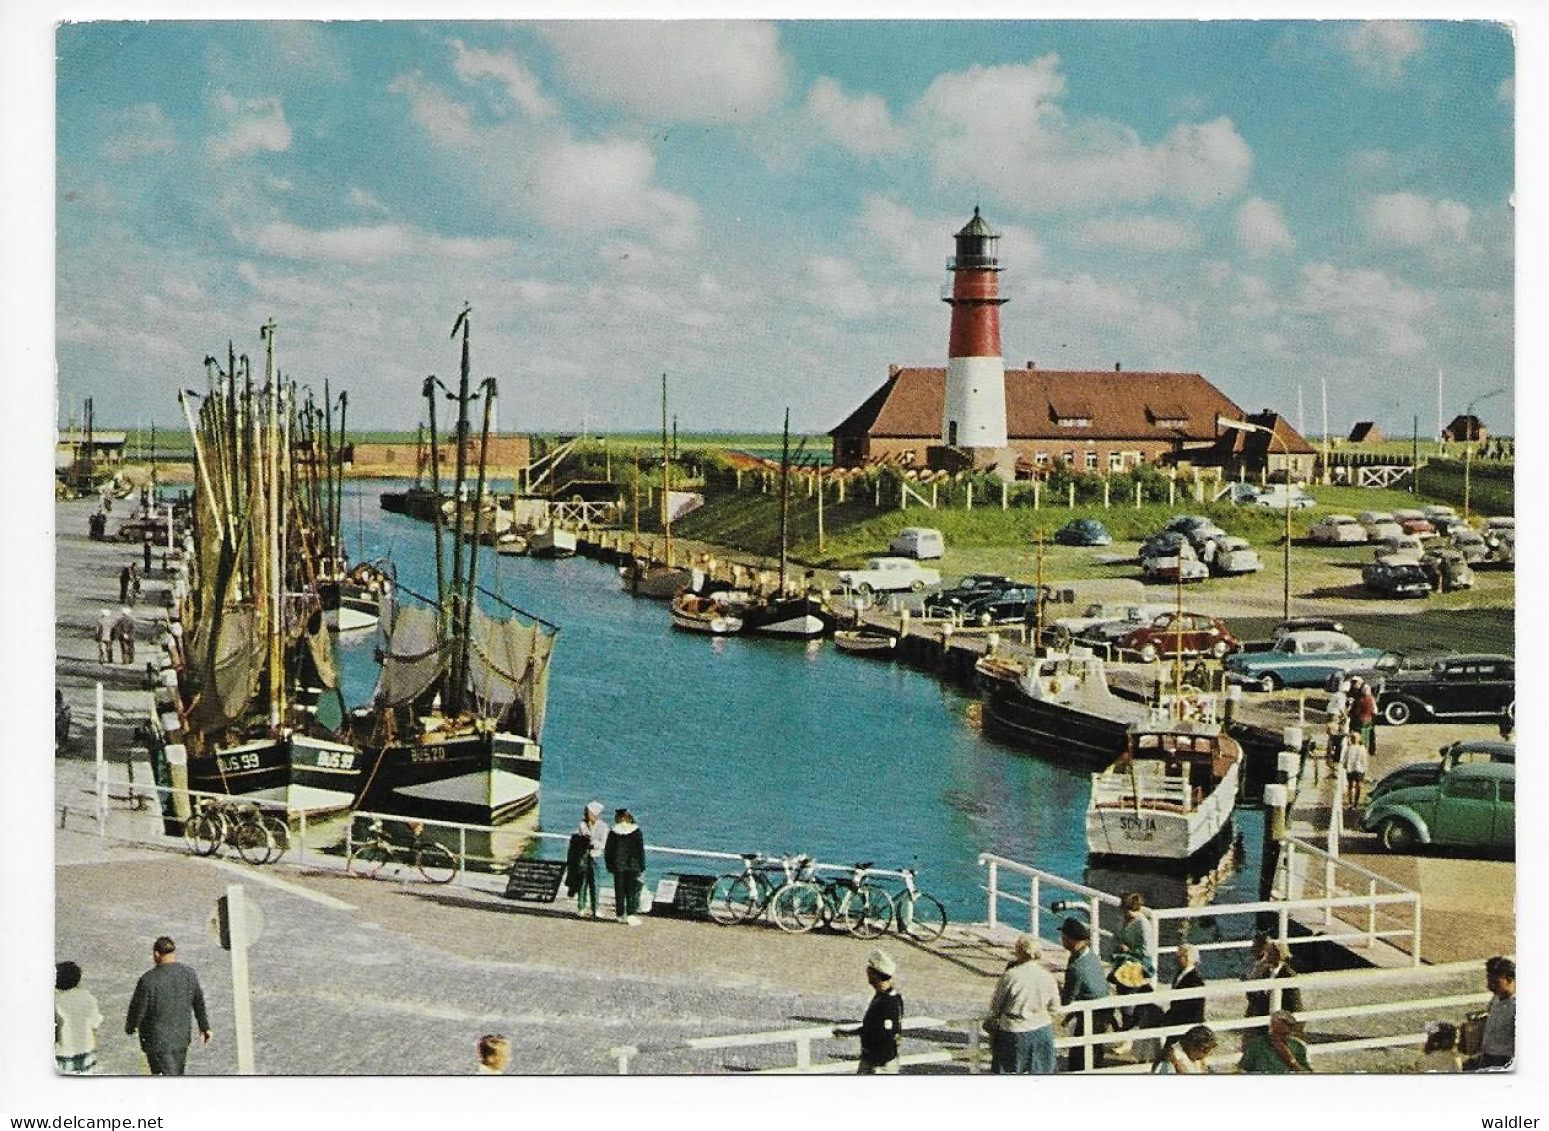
<point>163,1000</point>
<point>1084,981</point>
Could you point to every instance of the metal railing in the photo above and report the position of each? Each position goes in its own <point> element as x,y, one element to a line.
<point>1038,882</point>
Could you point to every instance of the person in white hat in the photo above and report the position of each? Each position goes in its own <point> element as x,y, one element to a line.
<point>884,1019</point>
<point>587,845</point>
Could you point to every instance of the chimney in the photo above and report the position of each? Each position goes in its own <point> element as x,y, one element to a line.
<point>1117,367</point>
<point>1032,365</point>
<point>892,371</point>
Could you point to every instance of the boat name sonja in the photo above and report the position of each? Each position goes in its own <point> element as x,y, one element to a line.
<point>1138,828</point>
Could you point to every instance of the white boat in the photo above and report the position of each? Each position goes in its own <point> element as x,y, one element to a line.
<point>552,542</point>
<point>709,614</point>
<point>511,543</point>
<point>858,643</point>
<point>1170,794</point>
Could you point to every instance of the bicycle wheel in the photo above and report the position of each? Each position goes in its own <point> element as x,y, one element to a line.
<point>435,862</point>
<point>730,900</point>
<point>842,907</point>
<point>367,859</point>
<point>797,907</point>
<point>279,832</point>
<point>209,833</point>
<point>922,918</point>
<point>875,912</point>
<point>252,840</point>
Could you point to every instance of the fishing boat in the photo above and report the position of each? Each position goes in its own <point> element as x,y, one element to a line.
<point>234,705</point>
<point>453,732</point>
<point>718,614</point>
<point>1058,703</point>
<point>855,642</point>
<point>552,542</point>
<point>1170,794</point>
<point>351,596</point>
<point>511,543</point>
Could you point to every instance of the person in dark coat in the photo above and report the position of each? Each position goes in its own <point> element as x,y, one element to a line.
<point>1084,981</point>
<point>164,998</point>
<point>123,586</point>
<point>884,1021</point>
<point>123,632</point>
<point>1271,961</point>
<point>587,844</point>
<point>147,548</point>
<point>625,857</point>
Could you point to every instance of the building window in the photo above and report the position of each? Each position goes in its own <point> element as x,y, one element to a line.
<point>1040,459</point>
<point>1074,421</point>
<point>1173,422</point>
<point>1115,461</point>
<point>1091,461</point>
<point>1070,459</point>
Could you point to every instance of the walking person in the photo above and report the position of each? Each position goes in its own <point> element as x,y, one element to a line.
<point>884,1020</point>
<point>624,854</point>
<point>164,998</point>
<point>587,845</point>
<point>1020,1021</point>
<point>1356,762</point>
<point>1363,713</point>
<point>76,1020</point>
<point>147,548</point>
<point>123,586</point>
<point>105,636</point>
<point>1337,710</point>
<point>1133,970</point>
<point>1084,981</point>
<point>1187,1055</point>
<point>1498,1046</point>
<point>134,583</point>
<point>123,632</point>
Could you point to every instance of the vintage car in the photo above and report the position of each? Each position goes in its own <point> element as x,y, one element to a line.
<point>1337,529</point>
<point>1378,525</point>
<point>1397,576</point>
<point>1454,687</point>
<point>1446,570</point>
<point>965,589</point>
<point>1234,555</point>
<point>1005,606</point>
<point>1414,522</point>
<point>1300,659</point>
<point>1407,546</point>
<point>1083,532</point>
<point>889,575</point>
<point>1101,630</point>
<point>1470,806</point>
<point>1275,498</point>
<point>1174,633</point>
<point>1470,543</point>
<point>1170,556</point>
<point>1453,754</point>
<point>1443,518</point>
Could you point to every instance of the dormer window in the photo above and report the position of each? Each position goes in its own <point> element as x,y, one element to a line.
<point>1072,413</point>
<point>1170,416</point>
<point>1073,421</point>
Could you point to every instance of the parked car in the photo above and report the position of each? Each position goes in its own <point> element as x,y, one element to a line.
<point>1471,806</point>
<point>918,542</point>
<point>1108,630</point>
<point>1305,624</point>
<point>1454,687</point>
<point>1304,658</point>
<point>1453,754</point>
<point>1083,532</point>
<point>1406,546</point>
<point>1234,555</point>
<point>1446,570</point>
<point>1442,517</point>
<point>887,575</point>
<point>1170,557</point>
<point>1008,605</point>
<point>1399,577</point>
<point>1275,498</point>
<point>1241,493</point>
<point>1379,525</point>
<point>1170,633</point>
<point>1500,544</point>
<point>1470,543</point>
<point>965,589</point>
<point>1499,522</point>
<point>1336,530</point>
<point>1414,522</point>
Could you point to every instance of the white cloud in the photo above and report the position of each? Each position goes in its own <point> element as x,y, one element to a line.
<point>603,186</point>
<point>1366,306</point>
<point>252,125</point>
<point>448,121</point>
<point>360,198</point>
<point>1410,220</point>
<point>1382,47</point>
<point>1261,229</point>
<point>368,244</point>
<point>919,245</point>
<point>1004,128</point>
<point>474,63</point>
<point>677,70</point>
<point>1139,233</point>
<point>138,131</point>
<point>836,286</point>
<point>859,123</point>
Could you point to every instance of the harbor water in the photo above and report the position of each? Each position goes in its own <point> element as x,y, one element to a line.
<point>751,744</point>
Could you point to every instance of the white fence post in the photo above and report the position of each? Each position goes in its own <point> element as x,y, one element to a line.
<point>803,1052</point>
<point>102,772</point>
<point>994,895</point>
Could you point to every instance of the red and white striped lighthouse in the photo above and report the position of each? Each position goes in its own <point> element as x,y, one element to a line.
<point>974,412</point>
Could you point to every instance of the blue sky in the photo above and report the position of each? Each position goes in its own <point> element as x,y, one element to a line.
<point>762,210</point>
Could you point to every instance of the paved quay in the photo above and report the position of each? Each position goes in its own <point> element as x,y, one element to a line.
<point>355,976</point>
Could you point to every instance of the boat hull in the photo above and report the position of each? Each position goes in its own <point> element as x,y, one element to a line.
<point>478,778</point>
<point>797,617</point>
<point>863,644</point>
<point>551,543</point>
<point>299,772</point>
<point>1046,726</point>
<point>1155,830</point>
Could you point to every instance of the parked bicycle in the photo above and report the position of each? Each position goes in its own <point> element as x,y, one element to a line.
<point>856,905</point>
<point>778,884</point>
<point>258,837</point>
<point>369,856</point>
<point>918,914</point>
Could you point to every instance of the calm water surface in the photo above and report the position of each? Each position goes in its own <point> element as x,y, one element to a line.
<point>745,745</point>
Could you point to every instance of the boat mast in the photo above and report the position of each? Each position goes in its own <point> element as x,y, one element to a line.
<point>785,494</point>
<point>666,477</point>
<point>272,533</point>
<point>429,390</point>
<point>452,699</point>
<point>337,518</point>
<point>634,542</point>
<point>464,638</point>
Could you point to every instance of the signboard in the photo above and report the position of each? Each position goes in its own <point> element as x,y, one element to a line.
<point>683,895</point>
<point>535,880</point>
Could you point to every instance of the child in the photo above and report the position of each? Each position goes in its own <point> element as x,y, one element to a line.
<point>1356,761</point>
<point>1441,1048</point>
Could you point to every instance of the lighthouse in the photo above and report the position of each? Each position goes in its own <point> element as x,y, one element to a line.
<point>973,418</point>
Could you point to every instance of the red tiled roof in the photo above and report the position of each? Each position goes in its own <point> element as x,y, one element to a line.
<point>1121,406</point>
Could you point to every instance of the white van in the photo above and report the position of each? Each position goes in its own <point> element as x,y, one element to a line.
<point>918,542</point>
